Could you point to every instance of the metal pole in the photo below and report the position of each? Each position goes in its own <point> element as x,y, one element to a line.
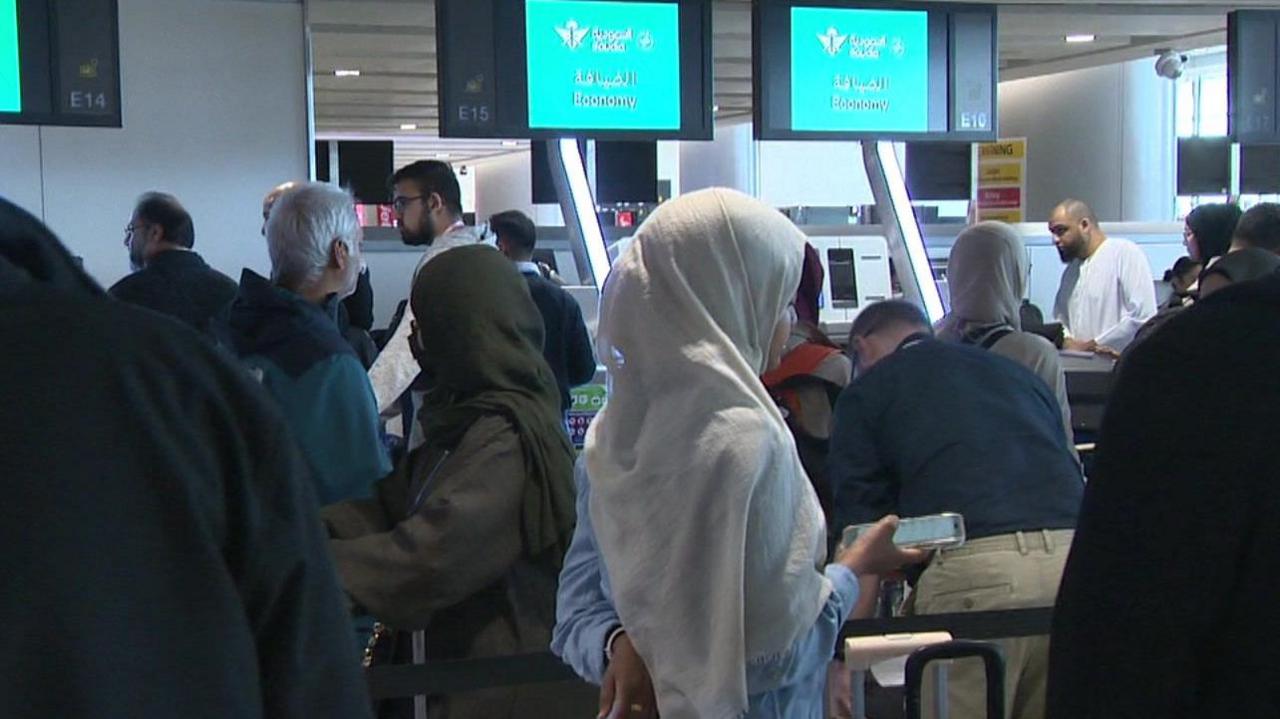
<point>941,707</point>
<point>419,657</point>
<point>859,694</point>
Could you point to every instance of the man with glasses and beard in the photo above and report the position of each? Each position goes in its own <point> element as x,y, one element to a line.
<point>428,207</point>
<point>168,276</point>
<point>1107,292</point>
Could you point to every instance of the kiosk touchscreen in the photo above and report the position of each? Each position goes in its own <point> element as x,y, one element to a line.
<point>856,275</point>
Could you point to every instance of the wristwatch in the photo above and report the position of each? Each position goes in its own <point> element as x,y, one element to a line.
<point>608,643</point>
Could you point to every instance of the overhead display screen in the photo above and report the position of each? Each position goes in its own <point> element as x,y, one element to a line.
<point>606,65</point>
<point>859,70</point>
<point>615,69</point>
<point>59,62</point>
<point>10,63</point>
<point>874,70</point>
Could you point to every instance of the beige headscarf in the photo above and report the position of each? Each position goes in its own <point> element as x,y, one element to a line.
<point>987,275</point>
<point>708,526</point>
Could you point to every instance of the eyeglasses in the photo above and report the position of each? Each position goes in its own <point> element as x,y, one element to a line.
<point>400,203</point>
<point>130,230</point>
<point>1059,230</point>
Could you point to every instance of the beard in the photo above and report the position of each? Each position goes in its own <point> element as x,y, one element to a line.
<point>422,237</point>
<point>1068,253</point>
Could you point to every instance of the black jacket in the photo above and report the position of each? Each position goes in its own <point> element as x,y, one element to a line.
<point>159,540</point>
<point>178,284</point>
<point>1168,603</point>
<point>567,345</point>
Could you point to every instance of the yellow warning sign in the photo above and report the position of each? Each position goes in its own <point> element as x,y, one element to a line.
<point>1002,180</point>
<point>1003,149</point>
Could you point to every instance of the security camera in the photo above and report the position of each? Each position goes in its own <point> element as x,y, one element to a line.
<point>1170,64</point>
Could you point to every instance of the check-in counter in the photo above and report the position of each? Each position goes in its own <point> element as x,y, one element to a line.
<point>1088,386</point>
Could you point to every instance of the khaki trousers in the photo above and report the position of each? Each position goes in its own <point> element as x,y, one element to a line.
<point>1009,571</point>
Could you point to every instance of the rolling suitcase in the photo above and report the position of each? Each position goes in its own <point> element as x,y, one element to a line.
<point>993,662</point>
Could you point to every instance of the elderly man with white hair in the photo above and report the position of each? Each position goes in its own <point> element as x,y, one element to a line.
<point>285,330</point>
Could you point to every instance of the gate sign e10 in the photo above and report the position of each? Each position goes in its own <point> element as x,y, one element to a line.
<point>603,65</point>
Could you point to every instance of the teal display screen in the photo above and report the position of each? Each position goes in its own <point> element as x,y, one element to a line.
<point>855,70</point>
<point>603,65</point>
<point>10,65</point>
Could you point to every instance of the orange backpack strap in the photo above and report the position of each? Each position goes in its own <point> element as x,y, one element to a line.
<point>803,360</point>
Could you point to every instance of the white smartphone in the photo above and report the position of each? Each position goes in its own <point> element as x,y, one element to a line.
<point>936,531</point>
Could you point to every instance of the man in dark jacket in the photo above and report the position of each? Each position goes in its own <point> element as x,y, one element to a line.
<point>568,345</point>
<point>169,277</point>
<point>930,427</point>
<point>285,329</point>
<point>159,542</point>
<point>1168,601</point>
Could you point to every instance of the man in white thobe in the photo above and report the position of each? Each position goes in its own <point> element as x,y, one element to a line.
<point>1107,292</point>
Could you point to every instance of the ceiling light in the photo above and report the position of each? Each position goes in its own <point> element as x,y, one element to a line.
<point>408,126</point>
<point>346,73</point>
<point>510,143</point>
<point>442,155</point>
<point>1084,37</point>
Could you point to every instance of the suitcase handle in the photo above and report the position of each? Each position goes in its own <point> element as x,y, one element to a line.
<point>992,659</point>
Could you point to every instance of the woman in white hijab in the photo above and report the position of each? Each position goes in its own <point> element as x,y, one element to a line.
<point>711,534</point>
<point>987,274</point>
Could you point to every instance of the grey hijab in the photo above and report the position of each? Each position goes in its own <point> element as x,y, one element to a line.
<point>987,273</point>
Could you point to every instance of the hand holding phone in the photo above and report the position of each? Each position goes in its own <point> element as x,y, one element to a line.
<point>873,552</point>
<point>935,531</point>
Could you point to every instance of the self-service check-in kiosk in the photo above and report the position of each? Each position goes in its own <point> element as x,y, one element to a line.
<point>856,272</point>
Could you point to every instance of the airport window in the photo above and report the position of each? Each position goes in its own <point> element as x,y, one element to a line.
<point>1201,110</point>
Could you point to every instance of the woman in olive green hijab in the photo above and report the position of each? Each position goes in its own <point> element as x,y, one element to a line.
<point>466,537</point>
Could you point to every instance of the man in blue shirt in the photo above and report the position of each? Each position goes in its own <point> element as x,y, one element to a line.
<point>931,427</point>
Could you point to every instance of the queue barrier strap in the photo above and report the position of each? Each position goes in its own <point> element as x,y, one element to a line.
<point>463,675</point>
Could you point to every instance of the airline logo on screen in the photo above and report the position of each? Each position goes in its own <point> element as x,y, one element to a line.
<point>572,34</point>
<point>866,48</point>
<point>832,41</point>
<point>603,65</point>
<point>603,40</point>
<point>867,72</point>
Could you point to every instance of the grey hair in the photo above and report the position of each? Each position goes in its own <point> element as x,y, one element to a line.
<point>302,227</point>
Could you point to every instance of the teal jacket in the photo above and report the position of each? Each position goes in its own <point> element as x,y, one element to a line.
<point>296,351</point>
